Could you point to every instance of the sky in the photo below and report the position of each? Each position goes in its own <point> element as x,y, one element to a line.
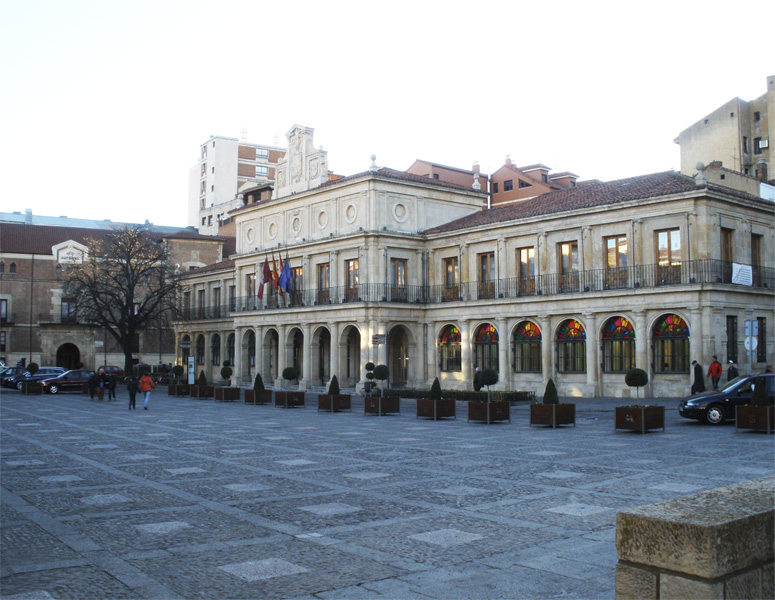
<point>104,104</point>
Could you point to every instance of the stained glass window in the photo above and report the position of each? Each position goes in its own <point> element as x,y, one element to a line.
<point>571,347</point>
<point>449,349</point>
<point>526,348</point>
<point>486,347</point>
<point>671,344</point>
<point>618,345</point>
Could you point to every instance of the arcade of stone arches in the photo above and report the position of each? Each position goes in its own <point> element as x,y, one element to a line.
<point>319,352</point>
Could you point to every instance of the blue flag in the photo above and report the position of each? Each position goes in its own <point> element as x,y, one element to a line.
<point>286,279</point>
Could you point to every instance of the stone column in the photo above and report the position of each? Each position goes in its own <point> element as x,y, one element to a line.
<point>593,352</point>
<point>238,371</point>
<point>335,350</point>
<point>365,353</point>
<point>696,350</point>
<point>260,354</point>
<point>306,372</point>
<point>333,273</point>
<point>504,368</point>
<point>547,344</point>
<point>282,355</point>
<point>642,349</point>
<point>431,270</point>
<point>466,355</point>
<point>431,357</point>
<point>464,275</point>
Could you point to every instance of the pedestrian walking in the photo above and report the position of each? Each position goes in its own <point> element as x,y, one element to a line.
<point>477,378</point>
<point>732,372</point>
<point>92,384</point>
<point>111,387</point>
<point>146,385</point>
<point>714,372</point>
<point>103,383</point>
<point>699,381</point>
<point>132,386</point>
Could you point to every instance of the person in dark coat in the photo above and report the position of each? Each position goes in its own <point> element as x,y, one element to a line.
<point>732,372</point>
<point>92,384</point>
<point>699,379</point>
<point>111,387</point>
<point>477,379</point>
<point>102,382</point>
<point>133,386</point>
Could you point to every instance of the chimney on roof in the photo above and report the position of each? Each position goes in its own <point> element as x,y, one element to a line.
<point>507,162</point>
<point>28,216</point>
<point>475,168</point>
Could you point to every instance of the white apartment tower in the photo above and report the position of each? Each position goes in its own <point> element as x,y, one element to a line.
<point>226,166</point>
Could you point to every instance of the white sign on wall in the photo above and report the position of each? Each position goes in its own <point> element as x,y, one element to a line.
<point>742,274</point>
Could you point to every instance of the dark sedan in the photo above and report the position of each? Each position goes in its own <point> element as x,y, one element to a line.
<point>716,406</point>
<point>42,373</point>
<point>69,381</point>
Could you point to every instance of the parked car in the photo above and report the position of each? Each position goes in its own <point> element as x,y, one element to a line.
<point>67,381</point>
<point>42,373</point>
<point>11,371</point>
<point>117,372</point>
<point>716,406</point>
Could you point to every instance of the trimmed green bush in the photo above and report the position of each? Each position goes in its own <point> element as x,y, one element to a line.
<point>33,368</point>
<point>369,366</point>
<point>226,363</point>
<point>202,379</point>
<point>435,390</point>
<point>290,373</point>
<point>333,386</point>
<point>177,371</point>
<point>487,378</point>
<point>636,378</point>
<point>226,372</point>
<point>759,397</point>
<point>550,393</point>
<point>258,383</point>
<point>381,372</point>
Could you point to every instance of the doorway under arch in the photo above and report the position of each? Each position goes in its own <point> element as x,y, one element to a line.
<point>68,356</point>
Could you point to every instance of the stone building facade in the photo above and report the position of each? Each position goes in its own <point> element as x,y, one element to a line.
<point>578,285</point>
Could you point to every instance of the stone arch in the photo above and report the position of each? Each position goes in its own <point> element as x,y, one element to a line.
<point>248,354</point>
<point>350,355</point>
<point>294,345</point>
<point>485,341</point>
<point>68,356</point>
<point>270,346</point>
<point>402,356</point>
<point>320,347</point>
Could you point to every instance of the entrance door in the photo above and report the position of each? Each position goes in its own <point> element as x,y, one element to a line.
<point>68,356</point>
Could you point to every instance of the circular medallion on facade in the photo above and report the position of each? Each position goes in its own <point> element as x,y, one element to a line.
<point>250,235</point>
<point>272,230</point>
<point>400,213</point>
<point>296,225</point>
<point>350,213</point>
<point>322,219</point>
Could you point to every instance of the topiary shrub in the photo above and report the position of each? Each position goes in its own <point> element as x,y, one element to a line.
<point>258,383</point>
<point>33,368</point>
<point>435,390</point>
<point>226,371</point>
<point>290,373</point>
<point>488,377</point>
<point>226,363</point>
<point>636,378</point>
<point>550,393</point>
<point>333,386</point>
<point>202,381</point>
<point>177,371</point>
<point>381,372</point>
<point>759,397</point>
<point>369,366</point>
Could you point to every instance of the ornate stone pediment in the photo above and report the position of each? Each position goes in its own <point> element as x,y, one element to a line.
<point>303,167</point>
<point>70,252</point>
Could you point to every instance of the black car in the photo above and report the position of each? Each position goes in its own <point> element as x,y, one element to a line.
<point>7,372</point>
<point>68,381</point>
<point>42,373</point>
<point>716,406</point>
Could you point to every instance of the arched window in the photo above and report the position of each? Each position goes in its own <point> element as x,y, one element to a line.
<point>58,270</point>
<point>215,350</point>
<point>252,349</point>
<point>449,349</point>
<point>230,349</point>
<point>526,348</point>
<point>13,268</point>
<point>2,267</point>
<point>618,345</point>
<point>671,345</point>
<point>200,350</point>
<point>571,347</point>
<point>486,347</point>
<point>185,347</point>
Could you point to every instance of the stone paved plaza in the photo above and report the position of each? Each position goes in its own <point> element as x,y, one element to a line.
<point>197,499</point>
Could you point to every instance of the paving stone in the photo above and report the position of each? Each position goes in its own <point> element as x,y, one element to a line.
<point>263,569</point>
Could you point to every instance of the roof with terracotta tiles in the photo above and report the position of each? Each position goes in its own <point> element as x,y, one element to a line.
<point>589,196</point>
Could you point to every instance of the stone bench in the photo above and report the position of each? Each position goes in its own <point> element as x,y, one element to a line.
<point>715,544</point>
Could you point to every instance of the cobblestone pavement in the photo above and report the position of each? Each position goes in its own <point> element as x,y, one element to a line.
<point>197,499</point>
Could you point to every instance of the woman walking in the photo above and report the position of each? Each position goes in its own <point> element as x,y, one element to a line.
<point>146,385</point>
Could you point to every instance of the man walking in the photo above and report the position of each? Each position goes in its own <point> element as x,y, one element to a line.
<point>732,371</point>
<point>714,372</point>
<point>699,382</point>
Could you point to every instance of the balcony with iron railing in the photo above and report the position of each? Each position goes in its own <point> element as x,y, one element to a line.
<point>689,273</point>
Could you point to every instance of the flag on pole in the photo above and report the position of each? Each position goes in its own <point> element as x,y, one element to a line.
<point>286,279</point>
<point>275,274</point>
<point>266,277</point>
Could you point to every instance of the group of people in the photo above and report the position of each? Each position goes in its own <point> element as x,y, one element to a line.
<point>101,381</point>
<point>715,371</point>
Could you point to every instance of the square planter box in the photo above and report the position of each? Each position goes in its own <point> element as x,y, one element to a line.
<point>288,399</point>
<point>182,389</point>
<point>227,394</point>
<point>640,418</point>
<point>202,391</point>
<point>435,409</point>
<point>334,403</point>
<point>758,418</point>
<point>258,396</point>
<point>381,406</point>
<point>553,414</point>
<point>489,412</point>
<point>30,388</point>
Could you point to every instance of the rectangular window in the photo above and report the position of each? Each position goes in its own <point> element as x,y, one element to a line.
<point>486,263</point>
<point>232,297</point>
<point>616,261</point>
<point>217,301</point>
<point>262,153</point>
<point>508,185</point>
<point>3,310</point>
<point>757,145</point>
<point>202,187</point>
<point>398,280</point>
<point>351,278</point>
<point>757,116</point>
<point>731,338</point>
<point>761,348</point>
<point>297,285</point>
<point>495,187</point>
<point>186,305</point>
<point>526,262</point>
<point>210,219</point>
<point>745,144</point>
<point>669,256</point>
<point>323,283</point>
<point>524,184</point>
<point>727,239</point>
<point>451,279</point>
<point>569,266</point>
<point>262,171</point>
<point>250,285</point>
<point>756,259</point>
<point>2,341</point>
<point>200,303</point>
<point>68,310</point>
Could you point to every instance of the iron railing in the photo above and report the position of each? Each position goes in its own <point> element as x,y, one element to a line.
<point>697,272</point>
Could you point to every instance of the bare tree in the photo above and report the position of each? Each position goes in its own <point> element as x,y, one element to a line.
<point>125,284</point>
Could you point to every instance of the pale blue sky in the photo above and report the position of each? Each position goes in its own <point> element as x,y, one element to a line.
<point>104,104</point>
